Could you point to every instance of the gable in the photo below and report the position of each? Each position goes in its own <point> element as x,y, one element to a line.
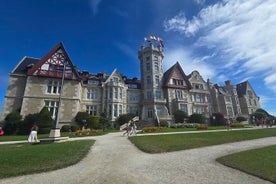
<point>176,78</point>
<point>115,77</point>
<point>52,65</point>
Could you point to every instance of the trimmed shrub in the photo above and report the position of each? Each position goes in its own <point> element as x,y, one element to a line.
<point>74,128</point>
<point>240,119</point>
<point>196,118</point>
<point>65,128</point>
<point>164,123</point>
<point>179,116</point>
<point>93,122</point>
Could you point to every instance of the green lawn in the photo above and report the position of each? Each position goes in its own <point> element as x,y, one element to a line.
<point>259,162</point>
<point>20,159</point>
<point>175,142</point>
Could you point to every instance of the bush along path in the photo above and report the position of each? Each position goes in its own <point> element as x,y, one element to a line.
<point>114,159</point>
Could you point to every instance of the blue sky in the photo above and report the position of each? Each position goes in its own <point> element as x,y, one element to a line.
<point>226,39</point>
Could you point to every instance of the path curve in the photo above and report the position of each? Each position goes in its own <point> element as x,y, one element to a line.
<point>113,159</point>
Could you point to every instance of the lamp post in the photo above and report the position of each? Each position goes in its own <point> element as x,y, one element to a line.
<point>55,131</point>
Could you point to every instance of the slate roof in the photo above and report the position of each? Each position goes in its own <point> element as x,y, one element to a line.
<point>25,64</point>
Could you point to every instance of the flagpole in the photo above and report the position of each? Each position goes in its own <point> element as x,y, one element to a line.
<point>55,131</point>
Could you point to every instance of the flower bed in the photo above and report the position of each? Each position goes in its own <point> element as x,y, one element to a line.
<point>87,132</point>
<point>202,127</point>
<point>152,129</point>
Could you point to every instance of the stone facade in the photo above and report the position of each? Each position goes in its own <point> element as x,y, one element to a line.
<point>35,83</point>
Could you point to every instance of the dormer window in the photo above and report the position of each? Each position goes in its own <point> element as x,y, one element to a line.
<point>93,82</point>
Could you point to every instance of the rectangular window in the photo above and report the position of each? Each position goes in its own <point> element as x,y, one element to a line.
<point>110,93</point>
<point>120,110</point>
<point>115,110</point>
<point>149,95</point>
<point>54,87</point>
<point>158,110</point>
<point>158,94</point>
<point>115,80</point>
<point>93,82</point>
<point>116,93</point>
<point>156,67</point>
<point>52,107</point>
<point>133,110</point>
<point>92,93</point>
<point>148,80</point>
<point>157,80</point>
<point>183,107</point>
<point>150,114</point>
<point>91,109</point>
<point>178,94</point>
<point>133,97</point>
<point>120,93</point>
<point>148,67</point>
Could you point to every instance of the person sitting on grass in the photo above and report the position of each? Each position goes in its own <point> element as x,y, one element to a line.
<point>33,135</point>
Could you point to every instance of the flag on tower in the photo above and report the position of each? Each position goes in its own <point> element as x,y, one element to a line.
<point>155,38</point>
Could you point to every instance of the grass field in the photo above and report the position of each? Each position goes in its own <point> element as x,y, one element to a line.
<point>175,142</point>
<point>259,162</point>
<point>21,159</point>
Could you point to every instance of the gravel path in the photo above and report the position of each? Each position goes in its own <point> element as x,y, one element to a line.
<point>113,159</point>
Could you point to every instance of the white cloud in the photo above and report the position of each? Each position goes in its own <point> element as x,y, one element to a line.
<point>201,2</point>
<point>94,4</point>
<point>243,32</point>
<point>188,62</point>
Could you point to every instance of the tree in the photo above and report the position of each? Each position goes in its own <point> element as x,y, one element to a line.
<point>93,122</point>
<point>26,125</point>
<point>82,118</point>
<point>179,116</point>
<point>12,122</point>
<point>44,121</point>
<point>196,118</point>
<point>124,118</point>
<point>104,121</point>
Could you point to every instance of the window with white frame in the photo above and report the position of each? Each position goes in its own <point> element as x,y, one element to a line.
<point>120,93</point>
<point>157,79</point>
<point>52,107</point>
<point>133,97</point>
<point>120,109</point>
<point>110,92</point>
<point>54,87</point>
<point>92,93</point>
<point>183,107</point>
<point>198,98</point>
<point>133,110</point>
<point>158,110</point>
<point>116,80</point>
<point>116,93</point>
<point>91,109</point>
<point>178,94</point>
<point>158,94</point>
<point>93,82</point>
<point>115,110</point>
<point>156,67</point>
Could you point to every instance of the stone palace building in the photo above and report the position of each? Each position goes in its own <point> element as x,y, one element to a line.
<point>35,83</point>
